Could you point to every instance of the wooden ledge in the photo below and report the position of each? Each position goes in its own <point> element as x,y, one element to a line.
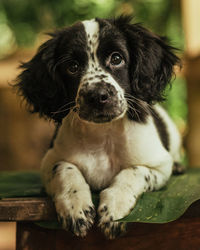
<point>27,209</point>
<point>42,209</point>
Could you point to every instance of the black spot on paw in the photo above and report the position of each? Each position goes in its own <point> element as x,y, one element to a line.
<point>54,169</point>
<point>147,178</point>
<point>90,213</point>
<point>178,168</point>
<point>104,209</point>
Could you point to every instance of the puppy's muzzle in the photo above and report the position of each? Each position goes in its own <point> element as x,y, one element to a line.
<point>100,102</point>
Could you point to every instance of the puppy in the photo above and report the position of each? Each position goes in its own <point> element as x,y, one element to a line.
<point>100,80</point>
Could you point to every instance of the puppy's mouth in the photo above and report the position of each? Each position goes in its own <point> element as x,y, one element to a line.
<point>98,116</point>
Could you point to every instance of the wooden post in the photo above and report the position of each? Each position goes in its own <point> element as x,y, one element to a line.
<point>191,25</point>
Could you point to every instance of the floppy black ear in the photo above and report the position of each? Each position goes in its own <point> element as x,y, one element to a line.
<point>38,82</point>
<point>152,61</point>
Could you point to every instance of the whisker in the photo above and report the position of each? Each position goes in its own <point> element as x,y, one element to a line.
<point>143,105</point>
<point>60,111</point>
<point>135,112</point>
<point>66,104</point>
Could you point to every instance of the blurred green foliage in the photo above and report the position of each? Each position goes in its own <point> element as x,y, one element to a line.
<point>21,21</point>
<point>25,19</point>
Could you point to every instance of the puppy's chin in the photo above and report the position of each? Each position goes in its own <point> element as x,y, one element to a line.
<point>100,117</point>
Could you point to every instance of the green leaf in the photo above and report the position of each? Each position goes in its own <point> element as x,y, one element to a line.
<point>169,203</point>
<point>161,206</point>
<point>21,184</point>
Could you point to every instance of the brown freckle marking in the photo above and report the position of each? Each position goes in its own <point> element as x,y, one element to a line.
<point>92,56</point>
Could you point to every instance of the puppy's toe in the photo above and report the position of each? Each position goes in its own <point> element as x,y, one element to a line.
<point>112,229</point>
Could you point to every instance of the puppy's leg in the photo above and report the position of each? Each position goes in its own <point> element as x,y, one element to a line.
<point>71,195</point>
<point>119,199</point>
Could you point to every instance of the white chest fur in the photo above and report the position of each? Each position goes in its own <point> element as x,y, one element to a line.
<point>97,150</point>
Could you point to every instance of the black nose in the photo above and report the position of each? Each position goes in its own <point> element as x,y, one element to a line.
<point>97,97</point>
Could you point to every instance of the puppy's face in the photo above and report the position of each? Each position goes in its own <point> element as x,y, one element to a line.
<point>102,69</point>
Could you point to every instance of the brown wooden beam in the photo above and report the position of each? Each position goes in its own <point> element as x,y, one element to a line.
<point>27,209</point>
<point>42,209</point>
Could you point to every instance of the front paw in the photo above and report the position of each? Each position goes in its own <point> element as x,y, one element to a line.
<point>75,214</point>
<point>114,205</point>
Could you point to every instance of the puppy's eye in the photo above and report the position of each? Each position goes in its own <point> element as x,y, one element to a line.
<point>73,67</point>
<point>116,59</point>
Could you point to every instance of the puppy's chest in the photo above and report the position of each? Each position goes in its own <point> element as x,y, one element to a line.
<point>99,160</point>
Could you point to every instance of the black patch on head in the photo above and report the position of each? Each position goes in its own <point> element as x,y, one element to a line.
<point>161,128</point>
<point>44,82</point>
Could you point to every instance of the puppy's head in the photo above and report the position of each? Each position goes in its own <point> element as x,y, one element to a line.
<point>101,69</point>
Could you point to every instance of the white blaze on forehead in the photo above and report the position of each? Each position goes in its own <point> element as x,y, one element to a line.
<point>91,28</point>
<point>92,33</point>
<point>95,72</point>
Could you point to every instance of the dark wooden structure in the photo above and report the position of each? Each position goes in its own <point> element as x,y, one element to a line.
<point>181,234</point>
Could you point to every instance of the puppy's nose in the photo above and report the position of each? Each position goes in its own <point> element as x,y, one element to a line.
<point>99,96</point>
<point>103,96</point>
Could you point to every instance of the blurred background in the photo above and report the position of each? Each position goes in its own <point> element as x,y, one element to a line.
<point>24,138</point>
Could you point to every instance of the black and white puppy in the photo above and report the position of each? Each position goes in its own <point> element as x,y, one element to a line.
<point>100,80</point>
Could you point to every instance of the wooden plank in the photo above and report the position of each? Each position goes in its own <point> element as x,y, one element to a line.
<point>27,209</point>
<point>42,209</point>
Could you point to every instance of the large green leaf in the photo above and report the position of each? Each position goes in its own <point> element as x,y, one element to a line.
<point>20,184</point>
<point>169,203</point>
<point>154,207</point>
